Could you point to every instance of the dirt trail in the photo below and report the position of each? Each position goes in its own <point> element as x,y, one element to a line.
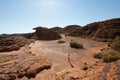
<point>58,53</point>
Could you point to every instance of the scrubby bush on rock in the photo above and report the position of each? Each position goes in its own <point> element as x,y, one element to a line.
<point>76,45</point>
<point>108,55</point>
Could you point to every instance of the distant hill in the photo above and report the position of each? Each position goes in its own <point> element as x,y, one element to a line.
<point>57,29</point>
<point>27,35</point>
<point>101,31</point>
<point>67,29</point>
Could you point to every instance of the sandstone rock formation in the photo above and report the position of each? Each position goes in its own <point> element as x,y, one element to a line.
<point>110,71</point>
<point>70,28</point>
<point>99,71</point>
<point>21,64</point>
<point>57,29</point>
<point>13,43</point>
<point>45,34</point>
<point>70,74</point>
<point>100,31</point>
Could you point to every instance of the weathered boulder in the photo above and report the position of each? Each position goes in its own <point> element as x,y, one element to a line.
<point>45,34</point>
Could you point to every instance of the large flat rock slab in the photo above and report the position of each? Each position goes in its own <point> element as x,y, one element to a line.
<point>22,63</point>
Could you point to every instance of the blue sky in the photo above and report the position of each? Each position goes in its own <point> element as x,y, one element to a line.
<point>17,16</point>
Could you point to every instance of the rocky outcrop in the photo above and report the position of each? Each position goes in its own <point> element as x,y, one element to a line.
<point>70,28</point>
<point>98,71</point>
<point>13,43</point>
<point>100,31</point>
<point>110,71</point>
<point>70,74</point>
<point>45,34</point>
<point>66,29</point>
<point>57,29</point>
<point>22,63</point>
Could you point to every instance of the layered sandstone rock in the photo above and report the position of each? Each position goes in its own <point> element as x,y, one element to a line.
<point>21,64</point>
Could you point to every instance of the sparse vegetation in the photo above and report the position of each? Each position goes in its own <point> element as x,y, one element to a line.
<point>116,44</point>
<point>108,55</point>
<point>76,45</point>
<point>98,55</point>
<point>61,41</point>
<point>112,53</point>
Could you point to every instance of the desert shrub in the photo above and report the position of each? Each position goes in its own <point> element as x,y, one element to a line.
<point>117,38</point>
<point>108,55</point>
<point>61,41</point>
<point>110,58</point>
<point>115,45</point>
<point>98,55</point>
<point>76,45</point>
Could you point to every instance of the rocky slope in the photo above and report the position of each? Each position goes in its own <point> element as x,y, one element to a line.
<point>100,31</point>
<point>22,63</point>
<point>13,43</point>
<point>98,71</point>
<point>110,71</point>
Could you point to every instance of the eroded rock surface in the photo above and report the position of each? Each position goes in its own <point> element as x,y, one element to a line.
<point>98,71</point>
<point>110,71</point>
<point>13,43</point>
<point>22,63</point>
<point>45,34</point>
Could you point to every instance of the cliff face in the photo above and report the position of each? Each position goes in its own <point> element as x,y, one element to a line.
<point>45,34</point>
<point>100,31</point>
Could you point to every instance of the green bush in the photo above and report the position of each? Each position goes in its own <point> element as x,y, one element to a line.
<point>108,55</point>
<point>76,45</point>
<point>117,38</point>
<point>115,45</point>
<point>61,41</point>
<point>110,58</point>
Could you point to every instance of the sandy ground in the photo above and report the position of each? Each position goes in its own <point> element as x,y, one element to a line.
<point>58,53</point>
